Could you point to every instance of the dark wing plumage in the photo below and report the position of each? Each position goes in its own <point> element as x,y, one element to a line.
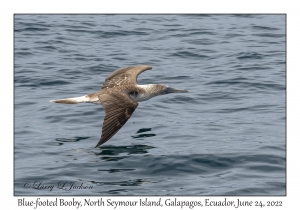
<point>124,76</point>
<point>118,108</point>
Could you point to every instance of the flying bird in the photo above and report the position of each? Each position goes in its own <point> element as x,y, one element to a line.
<point>119,97</point>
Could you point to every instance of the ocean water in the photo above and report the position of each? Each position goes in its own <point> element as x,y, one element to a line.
<point>226,136</point>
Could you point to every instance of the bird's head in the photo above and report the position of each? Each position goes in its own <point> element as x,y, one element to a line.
<point>167,89</point>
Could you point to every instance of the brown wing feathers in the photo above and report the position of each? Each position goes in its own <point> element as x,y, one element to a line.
<point>118,108</point>
<point>124,76</point>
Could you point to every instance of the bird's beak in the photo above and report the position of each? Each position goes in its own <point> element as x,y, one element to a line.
<point>173,90</point>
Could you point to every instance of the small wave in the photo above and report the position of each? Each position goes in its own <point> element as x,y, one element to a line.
<point>270,35</point>
<point>244,16</point>
<point>249,55</point>
<point>21,54</point>
<point>115,151</point>
<point>187,54</point>
<point>118,33</point>
<point>233,35</point>
<point>47,48</point>
<point>265,28</point>
<point>34,29</point>
<point>203,41</point>
<point>75,139</point>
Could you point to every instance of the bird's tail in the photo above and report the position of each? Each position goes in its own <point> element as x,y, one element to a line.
<point>75,100</point>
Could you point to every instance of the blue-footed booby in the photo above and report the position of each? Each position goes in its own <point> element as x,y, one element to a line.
<point>119,97</point>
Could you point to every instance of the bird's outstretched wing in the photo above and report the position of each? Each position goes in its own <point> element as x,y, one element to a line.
<point>124,76</point>
<point>118,109</point>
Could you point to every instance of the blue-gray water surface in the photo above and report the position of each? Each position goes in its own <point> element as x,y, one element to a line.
<point>226,136</point>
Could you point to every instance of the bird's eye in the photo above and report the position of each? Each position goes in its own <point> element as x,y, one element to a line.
<point>133,93</point>
<point>167,90</point>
